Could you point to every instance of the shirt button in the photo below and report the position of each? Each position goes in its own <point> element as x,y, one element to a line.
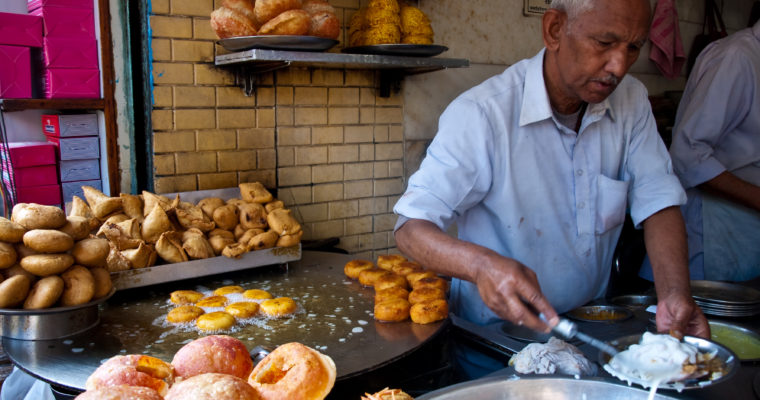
<point>581,205</point>
<point>579,172</point>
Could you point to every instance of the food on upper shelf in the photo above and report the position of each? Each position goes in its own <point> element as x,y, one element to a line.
<point>226,307</point>
<point>216,367</point>
<point>425,304</point>
<point>128,232</point>
<point>387,22</point>
<point>554,356</point>
<point>237,18</point>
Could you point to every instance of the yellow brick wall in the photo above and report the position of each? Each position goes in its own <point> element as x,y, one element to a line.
<point>323,138</point>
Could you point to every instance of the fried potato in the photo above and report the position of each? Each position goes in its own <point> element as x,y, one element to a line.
<point>226,216</point>
<point>209,204</point>
<point>283,222</point>
<point>252,215</point>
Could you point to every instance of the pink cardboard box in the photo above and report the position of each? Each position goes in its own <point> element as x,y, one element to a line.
<point>49,195</point>
<point>20,29</point>
<point>62,83</point>
<point>29,154</point>
<point>35,4</point>
<point>65,52</point>
<point>35,176</point>
<point>15,73</point>
<point>67,22</point>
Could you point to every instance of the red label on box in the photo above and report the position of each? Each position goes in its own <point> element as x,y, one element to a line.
<point>70,125</point>
<point>15,73</point>
<point>20,29</point>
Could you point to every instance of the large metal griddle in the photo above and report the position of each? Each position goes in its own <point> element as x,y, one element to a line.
<point>334,316</point>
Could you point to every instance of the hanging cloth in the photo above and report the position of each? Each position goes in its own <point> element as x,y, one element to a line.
<point>667,49</point>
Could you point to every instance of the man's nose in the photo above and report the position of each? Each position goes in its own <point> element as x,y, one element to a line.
<point>617,62</point>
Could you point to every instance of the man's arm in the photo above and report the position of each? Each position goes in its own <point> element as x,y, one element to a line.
<point>737,190</point>
<point>504,284</point>
<point>665,238</point>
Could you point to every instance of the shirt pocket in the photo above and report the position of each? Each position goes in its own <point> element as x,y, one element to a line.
<point>611,201</point>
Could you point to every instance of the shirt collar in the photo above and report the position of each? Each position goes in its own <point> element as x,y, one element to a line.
<point>536,106</point>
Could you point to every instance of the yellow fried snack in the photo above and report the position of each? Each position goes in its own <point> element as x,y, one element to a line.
<point>184,313</point>
<point>257,294</point>
<point>243,309</point>
<point>228,290</point>
<point>185,296</point>
<point>278,307</point>
<point>215,321</point>
<point>212,301</point>
<point>382,34</point>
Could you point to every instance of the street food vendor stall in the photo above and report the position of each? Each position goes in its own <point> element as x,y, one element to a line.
<point>257,199</point>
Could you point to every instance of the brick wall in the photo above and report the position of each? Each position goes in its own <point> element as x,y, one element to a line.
<point>322,137</point>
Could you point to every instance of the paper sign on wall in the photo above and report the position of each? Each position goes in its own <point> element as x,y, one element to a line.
<point>536,7</point>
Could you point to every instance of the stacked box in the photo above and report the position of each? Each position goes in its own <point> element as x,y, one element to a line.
<point>18,32</point>
<point>31,172</point>
<point>76,140</point>
<point>69,49</point>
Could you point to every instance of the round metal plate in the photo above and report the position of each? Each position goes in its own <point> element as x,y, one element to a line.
<point>278,42</point>
<point>745,343</point>
<point>726,356</point>
<point>724,293</point>
<point>634,301</point>
<point>410,50</point>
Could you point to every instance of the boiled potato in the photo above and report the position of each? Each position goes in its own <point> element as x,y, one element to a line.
<point>48,241</point>
<point>91,252</point>
<point>47,264</point>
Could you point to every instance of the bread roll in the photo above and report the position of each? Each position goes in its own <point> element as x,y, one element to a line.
<point>244,8</point>
<point>13,291</point>
<point>10,232</point>
<point>265,10</point>
<point>228,23</point>
<point>103,283</point>
<point>324,24</point>
<point>44,293</point>
<point>8,255</point>
<point>91,252</point>
<point>48,241</point>
<point>47,264</point>
<point>133,370</point>
<point>212,386</point>
<point>291,22</point>
<point>77,227</point>
<point>317,6</point>
<point>120,392</point>
<point>78,286</point>
<point>215,353</point>
<point>37,216</point>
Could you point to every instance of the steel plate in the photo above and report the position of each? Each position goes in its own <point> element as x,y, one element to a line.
<point>609,314</point>
<point>553,388</point>
<point>722,293</point>
<point>634,301</point>
<point>730,361</point>
<point>277,42</point>
<point>748,346</point>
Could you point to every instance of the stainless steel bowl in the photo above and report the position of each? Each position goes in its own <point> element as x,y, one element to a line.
<point>730,362</point>
<point>50,323</point>
<point>549,388</point>
<point>634,301</point>
<point>745,343</point>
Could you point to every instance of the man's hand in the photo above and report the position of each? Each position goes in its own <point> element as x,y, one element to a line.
<point>511,290</point>
<point>679,314</point>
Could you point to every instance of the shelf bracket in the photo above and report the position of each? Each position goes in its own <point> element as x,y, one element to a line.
<point>247,77</point>
<point>390,82</point>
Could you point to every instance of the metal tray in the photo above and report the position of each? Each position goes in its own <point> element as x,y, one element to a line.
<point>50,323</point>
<point>278,42</point>
<point>410,50</point>
<point>751,337</point>
<point>730,361</point>
<point>634,301</point>
<point>553,388</point>
<point>725,293</point>
<point>134,278</point>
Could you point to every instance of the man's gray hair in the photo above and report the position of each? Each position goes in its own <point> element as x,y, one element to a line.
<point>572,8</point>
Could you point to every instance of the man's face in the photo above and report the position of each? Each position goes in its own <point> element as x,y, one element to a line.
<point>599,46</point>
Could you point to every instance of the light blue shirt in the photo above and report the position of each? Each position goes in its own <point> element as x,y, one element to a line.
<point>517,181</point>
<point>717,129</point>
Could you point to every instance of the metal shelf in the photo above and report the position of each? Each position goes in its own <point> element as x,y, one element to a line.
<point>249,64</point>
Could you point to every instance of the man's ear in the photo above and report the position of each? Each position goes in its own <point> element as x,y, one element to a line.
<point>551,27</point>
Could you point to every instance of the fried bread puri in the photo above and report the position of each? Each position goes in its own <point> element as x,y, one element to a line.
<point>294,371</point>
<point>278,307</point>
<point>212,386</point>
<point>392,310</point>
<point>429,311</point>
<point>215,321</point>
<point>120,392</point>
<point>213,354</point>
<point>133,370</point>
<point>353,268</point>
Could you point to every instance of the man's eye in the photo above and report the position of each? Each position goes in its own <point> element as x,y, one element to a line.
<point>603,43</point>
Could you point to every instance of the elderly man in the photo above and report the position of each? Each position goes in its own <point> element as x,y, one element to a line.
<point>537,166</point>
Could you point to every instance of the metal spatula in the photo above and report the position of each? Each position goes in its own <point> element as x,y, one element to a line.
<point>569,330</point>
